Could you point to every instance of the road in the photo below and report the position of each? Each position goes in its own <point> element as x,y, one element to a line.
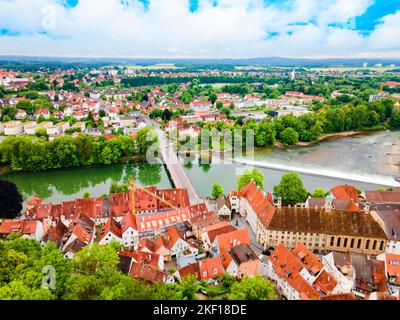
<point>174,164</point>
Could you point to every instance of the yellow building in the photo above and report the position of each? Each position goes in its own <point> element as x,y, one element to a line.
<point>322,230</point>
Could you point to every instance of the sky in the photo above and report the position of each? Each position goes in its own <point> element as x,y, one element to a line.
<point>201,28</point>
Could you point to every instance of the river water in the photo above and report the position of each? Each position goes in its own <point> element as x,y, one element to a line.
<point>370,159</point>
<point>68,184</point>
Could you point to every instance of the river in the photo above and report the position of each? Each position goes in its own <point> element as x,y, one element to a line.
<point>370,159</point>
<point>63,185</point>
<point>366,161</point>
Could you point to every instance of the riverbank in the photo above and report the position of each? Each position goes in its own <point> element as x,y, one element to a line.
<point>135,160</point>
<point>329,136</point>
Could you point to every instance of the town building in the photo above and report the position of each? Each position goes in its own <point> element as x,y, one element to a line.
<point>224,208</point>
<point>387,215</point>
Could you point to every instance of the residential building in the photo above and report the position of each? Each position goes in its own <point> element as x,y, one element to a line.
<point>224,208</point>
<point>205,270</point>
<point>149,273</point>
<point>229,240</point>
<point>110,232</point>
<point>387,215</point>
<point>241,261</point>
<point>27,229</point>
<point>212,231</point>
<point>392,270</point>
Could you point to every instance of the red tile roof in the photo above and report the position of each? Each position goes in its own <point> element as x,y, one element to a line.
<point>190,269</point>
<point>212,234</point>
<point>233,239</point>
<point>383,196</point>
<point>141,257</point>
<point>211,268</point>
<point>345,192</point>
<point>18,226</point>
<point>325,282</point>
<point>173,235</point>
<point>260,204</point>
<point>148,273</point>
<point>340,296</point>
<point>34,201</point>
<point>128,221</point>
<point>288,267</point>
<point>312,262</point>
<point>147,244</point>
<point>112,226</point>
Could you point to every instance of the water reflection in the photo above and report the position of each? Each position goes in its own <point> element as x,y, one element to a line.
<point>63,185</point>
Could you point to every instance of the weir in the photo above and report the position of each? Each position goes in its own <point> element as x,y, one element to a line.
<point>373,179</point>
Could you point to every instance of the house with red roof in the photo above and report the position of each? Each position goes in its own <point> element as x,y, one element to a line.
<point>300,274</point>
<point>202,221</point>
<point>27,229</point>
<point>55,233</point>
<point>140,257</point>
<point>345,192</point>
<point>21,114</point>
<point>111,231</point>
<point>229,240</point>
<point>161,247</point>
<point>177,244</point>
<point>284,271</point>
<point>81,232</point>
<point>392,268</point>
<point>158,246</point>
<point>205,270</point>
<point>42,112</point>
<point>129,231</point>
<point>148,273</point>
<point>240,261</point>
<point>210,269</point>
<point>212,231</point>
<point>255,206</point>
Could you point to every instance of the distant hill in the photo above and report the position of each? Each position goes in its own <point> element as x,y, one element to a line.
<point>262,61</point>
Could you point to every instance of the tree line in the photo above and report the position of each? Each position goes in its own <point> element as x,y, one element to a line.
<point>128,82</point>
<point>290,129</point>
<point>26,153</point>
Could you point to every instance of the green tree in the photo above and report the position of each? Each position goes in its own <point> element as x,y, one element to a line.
<point>41,132</point>
<point>395,119</point>
<point>319,193</point>
<point>10,200</point>
<point>248,176</point>
<point>86,195</point>
<point>213,97</point>
<point>145,139</point>
<point>188,288</point>
<point>291,189</point>
<point>27,106</point>
<point>118,188</point>
<point>289,136</point>
<point>217,190</point>
<point>256,288</point>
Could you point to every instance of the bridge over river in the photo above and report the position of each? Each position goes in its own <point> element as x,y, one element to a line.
<point>174,164</point>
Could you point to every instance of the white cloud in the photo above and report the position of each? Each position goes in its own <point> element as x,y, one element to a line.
<point>235,28</point>
<point>387,34</point>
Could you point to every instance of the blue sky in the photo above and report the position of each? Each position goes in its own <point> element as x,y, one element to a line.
<point>201,28</point>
